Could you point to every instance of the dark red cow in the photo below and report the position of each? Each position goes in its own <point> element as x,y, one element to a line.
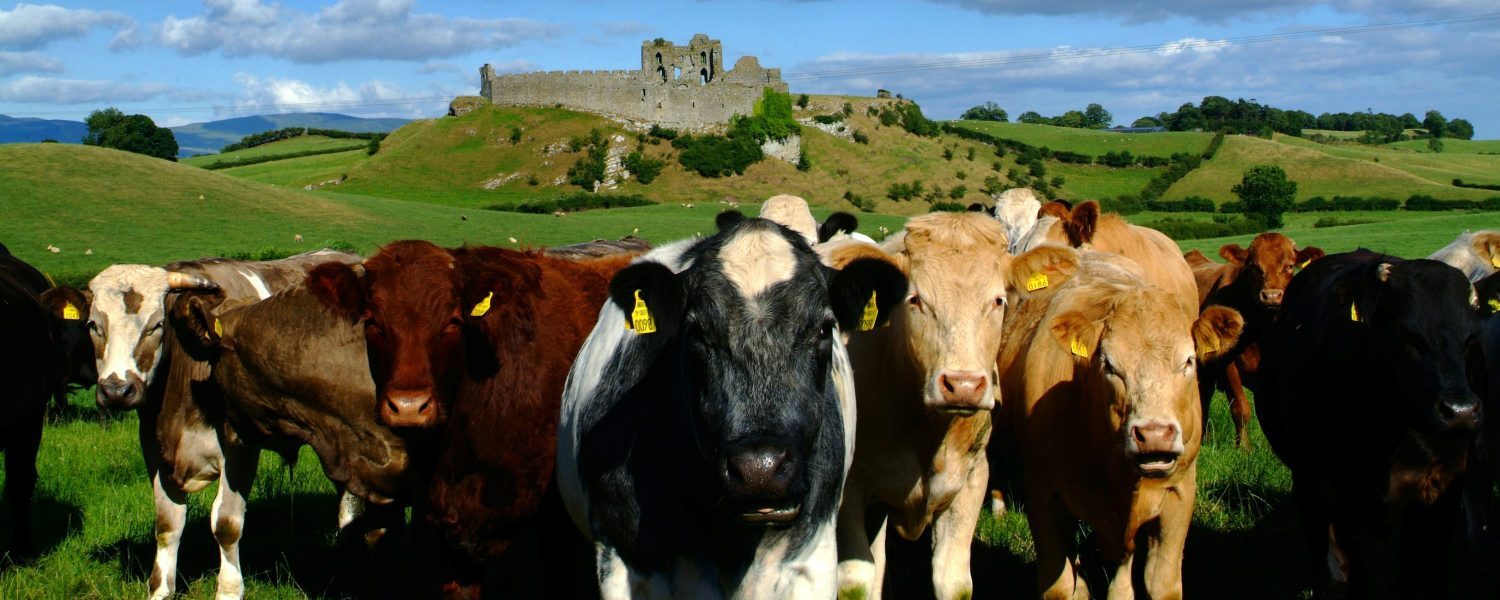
<point>1252,283</point>
<point>480,340</point>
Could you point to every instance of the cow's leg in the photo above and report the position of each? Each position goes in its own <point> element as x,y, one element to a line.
<point>1328,566</point>
<point>20,481</point>
<point>1122,585</point>
<point>1164,549</point>
<point>1239,405</point>
<point>859,574</point>
<point>952,534</point>
<point>1052,529</point>
<point>228,516</point>
<point>171,514</point>
<point>1424,549</point>
<point>1208,378</point>
<point>614,576</point>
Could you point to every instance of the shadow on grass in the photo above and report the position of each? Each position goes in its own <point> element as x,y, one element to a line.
<point>52,521</point>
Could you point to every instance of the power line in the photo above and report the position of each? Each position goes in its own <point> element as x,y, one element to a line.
<point>1062,55</point>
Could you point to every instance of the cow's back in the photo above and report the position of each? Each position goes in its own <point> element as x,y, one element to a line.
<point>293,373</point>
<point>26,364</point>
<point>1160,261</point>
<point>519,394</point>
<point>257,280</point>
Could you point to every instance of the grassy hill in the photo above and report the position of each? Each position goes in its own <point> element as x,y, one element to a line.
<point>1094,142</point>
<point>301,143</point>
<point>209,137</point>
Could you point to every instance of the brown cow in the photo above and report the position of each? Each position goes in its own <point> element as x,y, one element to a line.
<point>925,390</point>
<point>480,339</point>
<point>1252,283</point>
<point>1476,253</point>
<point>142,365</point>
<point>1098,378</point>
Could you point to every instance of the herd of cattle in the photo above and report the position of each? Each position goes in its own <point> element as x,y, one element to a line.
<point>749,414</point>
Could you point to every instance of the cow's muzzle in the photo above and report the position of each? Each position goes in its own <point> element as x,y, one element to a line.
<point>409,408</point>
<point>1271,298</point>
<point>120,393</point>
<point>963,392</point>
<point>1459,412</point>
<point>760,474</point>
<point>1154,445</point>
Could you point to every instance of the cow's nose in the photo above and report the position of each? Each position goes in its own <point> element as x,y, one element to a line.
<point>1155,437</point>
<point>408,408</point>
<point>761,471</point>
<point>1459,412</point>
<point>1271,297</point>
<point>963,390</point>
<point>116,392</point>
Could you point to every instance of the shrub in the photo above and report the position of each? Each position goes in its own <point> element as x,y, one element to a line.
<point>1189,229</point>
<point>959,191</point>
<point>659,132</point>
<point>947,154</point>
<point>1073,157</point>
<point>1478,186</point>
<point>802,101</point>
<point>373,147</point>
<point>1182,164</point>
<point>970,154</point>
<point>716,155</point>
<point>860,137</point>
<point>828,119</point>
<point>1324,222</point>
<point>1425,202</point>
<point>515,135</point>
<point>848,109</point>
<point>1188,204</point>
<point>1213,146</point>
<point>1117,160</point>
<point>960,174</point>
<point>644,168</point>
<point>1124,204</point>
<point>804,161</point>
<point>949,206</point>
<point>575,202</point>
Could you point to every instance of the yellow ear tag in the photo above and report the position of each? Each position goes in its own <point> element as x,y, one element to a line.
<point>640,318</point>
<point>1078,348</point>
<point>1036,282</point>
<point>1354,314</point>
<point>1303,264</point>
<point>483,306</point>
<point>71,313</point>
<point>1495,260</point>
<point>218,328</point>
<point>867,320</point>
<point>1494,304</point>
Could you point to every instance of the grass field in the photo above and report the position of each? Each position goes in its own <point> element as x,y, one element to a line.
<point>1399,233</point>
<point>1095,142</point>
<point>301,143</point>
<point>1452,146</point>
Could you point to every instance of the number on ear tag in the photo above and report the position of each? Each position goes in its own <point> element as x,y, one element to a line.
<point>867,320</point>
<point>1036,282</point>
<point>483,306</point>
<point>1078,348</point>
<point>71,313</point>
<point>640,318</point>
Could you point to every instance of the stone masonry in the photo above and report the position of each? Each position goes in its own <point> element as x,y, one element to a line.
<point>677,86</point>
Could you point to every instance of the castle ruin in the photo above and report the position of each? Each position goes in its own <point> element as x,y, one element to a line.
<point>676,86</point>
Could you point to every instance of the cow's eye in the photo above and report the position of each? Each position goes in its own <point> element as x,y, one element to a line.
<point>999,301</point>
<point>453,325</point>
<point>155,328</point>
<point>915,301</point>
<point>827,329</point>
<point>1192,361</point>
<point>94,328</point>
<point>1109,367</point>
<point>373,329</point>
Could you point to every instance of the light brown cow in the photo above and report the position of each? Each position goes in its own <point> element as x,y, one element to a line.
<point>1476,253</point>
<point>1252,282</point>
<point>1099,380</point>
<point>925,389</point>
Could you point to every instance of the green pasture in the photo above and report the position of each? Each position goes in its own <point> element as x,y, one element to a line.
<point>301,143</point>
<point>1452,146</point>
<point>1399,233</point>
<point>1095,142</point>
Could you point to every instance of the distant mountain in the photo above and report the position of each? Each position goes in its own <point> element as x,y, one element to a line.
<point>208,138</point>
<point>15,129</point>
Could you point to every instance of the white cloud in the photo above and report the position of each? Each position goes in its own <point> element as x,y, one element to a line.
<point>32,26</point>
<point>27,62</point>
<point>1135,11</point>
<point>345,30</point>
<point>270,95</point>
<point>49,90</point>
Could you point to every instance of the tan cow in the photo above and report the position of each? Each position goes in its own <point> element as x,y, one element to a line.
<point>1100,384</point>
<point>925,390</point>
<point>1476,253</point>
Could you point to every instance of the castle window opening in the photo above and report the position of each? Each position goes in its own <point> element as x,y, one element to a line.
<point>658,59</point>
<point>643,94</point>
<point>710,65</point>
<point>703,77</point>
<point>676,72</point>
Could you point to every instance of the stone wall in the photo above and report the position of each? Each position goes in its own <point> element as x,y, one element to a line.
<point>676,86</point>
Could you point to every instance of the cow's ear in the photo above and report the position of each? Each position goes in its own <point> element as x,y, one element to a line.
<point>338,287</point>
<point>1055,209</point>
<point>1076,333</point>
<point>1082,223</point>
<point>68,303</point>
<point>651,297</point>
<point>728,219</point>
<point>1234,254</point>
<point>1041,269</point>
<point>864,292</point>
<point>839,222</point>
<point>1216,331</point>
<point>1487,246</point>
<point>1195,258</point>
<point>192,314</point>
<point>1307,255</point>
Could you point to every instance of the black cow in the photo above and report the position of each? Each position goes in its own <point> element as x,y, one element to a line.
<point>31,367</point>
<point>705,447</point>
<point>71,309</point>
<point>1370,396</point>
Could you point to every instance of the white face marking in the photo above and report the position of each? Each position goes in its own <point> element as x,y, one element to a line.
<point>757,259</point>
<point>121,330</point>
<point>261,291</point>
<point>350,508</point>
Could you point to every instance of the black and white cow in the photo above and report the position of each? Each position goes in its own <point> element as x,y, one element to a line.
<point>705,451</point>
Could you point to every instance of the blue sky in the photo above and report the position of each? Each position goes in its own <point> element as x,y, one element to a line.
<point>186,61</point>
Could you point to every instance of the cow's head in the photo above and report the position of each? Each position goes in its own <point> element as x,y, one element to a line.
<point>127,321</point>
<point>71,306</point>
<point>1421,321</point>
<point>747,335</point>
<point>408,297</point>
<point>961,280</point>
<point>1267,266</point>
<point>1138,352</point>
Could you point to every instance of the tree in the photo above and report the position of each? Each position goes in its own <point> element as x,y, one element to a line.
<point>1435,144</point>
<point>802,101</point>
<point>989,111</point>
<point>1266,192</point>
<point>1409,121</point>
<point>1032,117</point>
<point>111,128</point>
<point>1435,124</point>
<point>1146,122</point>
<point>1460,129</point>
<point>1095,117</point>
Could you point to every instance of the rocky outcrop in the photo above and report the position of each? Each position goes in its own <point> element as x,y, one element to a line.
<point>463,105</point>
